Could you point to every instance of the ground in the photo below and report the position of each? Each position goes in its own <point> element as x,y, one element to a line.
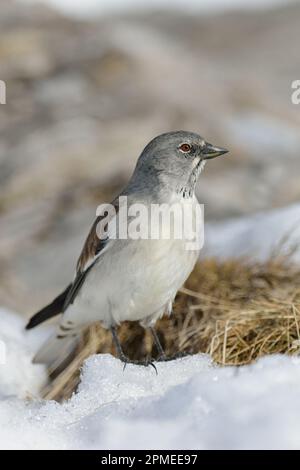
<point>189,404</point>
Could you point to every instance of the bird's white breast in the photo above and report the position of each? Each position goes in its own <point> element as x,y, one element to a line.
<point>136,279</point>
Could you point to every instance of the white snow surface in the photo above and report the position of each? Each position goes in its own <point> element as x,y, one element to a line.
<point>258,236</point>
<point>190,404</point>
<point>17,375</point>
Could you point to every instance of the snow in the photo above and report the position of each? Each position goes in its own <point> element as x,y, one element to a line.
<point>190,404</point>
<point>17,375</point>
<point>257,236</point>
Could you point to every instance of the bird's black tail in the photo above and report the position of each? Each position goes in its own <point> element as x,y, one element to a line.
<point>51,310</point>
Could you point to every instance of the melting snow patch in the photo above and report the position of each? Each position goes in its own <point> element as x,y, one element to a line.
<point>256,236</point>
<point>190,404</point>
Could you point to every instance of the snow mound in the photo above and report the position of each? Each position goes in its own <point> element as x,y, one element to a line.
<point>190,404</point>
<point>102,411</point>
<point>256,236</point>
<point>18,376</point>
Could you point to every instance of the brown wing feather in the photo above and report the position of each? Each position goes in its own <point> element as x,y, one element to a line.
<point>94,242</point>
<point>90,247</point>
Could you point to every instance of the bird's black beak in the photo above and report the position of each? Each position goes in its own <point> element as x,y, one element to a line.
<point>210,151</point>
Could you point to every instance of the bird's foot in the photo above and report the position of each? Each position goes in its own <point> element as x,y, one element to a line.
<point>144,363</point>
<point>178,355</point>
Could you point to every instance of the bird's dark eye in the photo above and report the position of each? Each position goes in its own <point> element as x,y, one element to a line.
<point>185,148</point>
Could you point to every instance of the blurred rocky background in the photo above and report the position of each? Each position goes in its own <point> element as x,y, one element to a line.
<point>85,96</point>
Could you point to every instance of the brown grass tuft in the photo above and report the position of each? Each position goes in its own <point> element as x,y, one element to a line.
<point>235,310</point>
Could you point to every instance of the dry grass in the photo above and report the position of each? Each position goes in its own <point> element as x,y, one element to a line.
<point>233,310</point>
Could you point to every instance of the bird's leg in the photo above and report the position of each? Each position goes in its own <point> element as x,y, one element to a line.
<point>118,346</point>
<point>123,357</point>
<point>162,355</point>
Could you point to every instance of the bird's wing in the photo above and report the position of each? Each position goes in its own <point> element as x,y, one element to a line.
<point>97,240</point>
<point>51,310</point>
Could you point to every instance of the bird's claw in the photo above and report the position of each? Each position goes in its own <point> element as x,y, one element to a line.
<point>145,363</point>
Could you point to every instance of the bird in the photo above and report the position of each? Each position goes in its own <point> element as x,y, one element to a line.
<point>121,279</point>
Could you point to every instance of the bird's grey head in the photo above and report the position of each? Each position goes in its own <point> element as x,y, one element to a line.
<point>174,161</point>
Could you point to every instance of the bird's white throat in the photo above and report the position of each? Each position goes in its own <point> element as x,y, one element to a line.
<point>188,190</point>
<point>201,166</point>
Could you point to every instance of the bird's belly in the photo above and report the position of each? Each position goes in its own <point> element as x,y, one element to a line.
<point>165,271</point>
<point>136,281</point>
